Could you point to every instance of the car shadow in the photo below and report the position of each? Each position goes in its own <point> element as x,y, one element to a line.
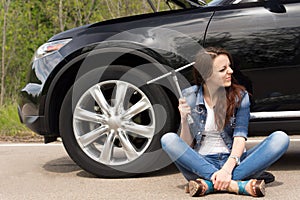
<point>61,165</point>
<point>67,165</point>
<point>287,162</point>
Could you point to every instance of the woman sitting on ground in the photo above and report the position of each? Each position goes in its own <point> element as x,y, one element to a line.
<point>210,152</point>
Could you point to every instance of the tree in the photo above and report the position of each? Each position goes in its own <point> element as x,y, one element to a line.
<point>26,24</point>
<point>5,4</point>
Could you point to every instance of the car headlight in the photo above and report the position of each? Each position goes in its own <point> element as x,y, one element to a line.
<point>49,48</point>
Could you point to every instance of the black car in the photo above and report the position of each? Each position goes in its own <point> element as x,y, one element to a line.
<point>90,85</point>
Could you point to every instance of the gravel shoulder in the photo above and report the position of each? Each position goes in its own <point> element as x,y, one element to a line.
<point>21,139</point>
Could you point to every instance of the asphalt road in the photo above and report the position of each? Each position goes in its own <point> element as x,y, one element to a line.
<point>40,171</point>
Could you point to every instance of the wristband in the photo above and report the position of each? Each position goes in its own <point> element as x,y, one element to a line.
<point>237,159</point>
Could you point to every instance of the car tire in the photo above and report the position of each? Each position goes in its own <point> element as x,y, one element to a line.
<point>112,133</point>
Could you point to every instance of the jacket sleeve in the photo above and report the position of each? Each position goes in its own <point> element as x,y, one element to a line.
<point>242,117</point>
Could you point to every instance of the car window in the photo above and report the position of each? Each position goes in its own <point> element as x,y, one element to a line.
<point>186,4</point>
<point>228,2</point>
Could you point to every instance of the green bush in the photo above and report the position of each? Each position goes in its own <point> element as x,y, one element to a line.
<point>9,122</point>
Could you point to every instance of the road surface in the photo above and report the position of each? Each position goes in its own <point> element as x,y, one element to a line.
<point>45,171</point>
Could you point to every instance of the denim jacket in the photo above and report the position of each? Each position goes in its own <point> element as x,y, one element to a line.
<point>238,125</point>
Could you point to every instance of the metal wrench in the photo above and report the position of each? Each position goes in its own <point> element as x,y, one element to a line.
<point>175,79</point>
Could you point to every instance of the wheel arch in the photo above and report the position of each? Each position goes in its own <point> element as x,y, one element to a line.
<point>65,77</point>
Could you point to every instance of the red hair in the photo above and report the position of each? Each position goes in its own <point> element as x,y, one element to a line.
<point>203,69</point>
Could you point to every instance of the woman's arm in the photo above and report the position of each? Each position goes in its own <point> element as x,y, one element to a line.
<point>221,179</point>
<point>185,110</point>
<point>185,134</point>
<point>239,134</point>
<point>238,148</point>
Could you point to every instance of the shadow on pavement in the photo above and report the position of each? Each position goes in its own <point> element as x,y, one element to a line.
<point>61,165</point>
<point>67,165</point>
<point>289,162</point>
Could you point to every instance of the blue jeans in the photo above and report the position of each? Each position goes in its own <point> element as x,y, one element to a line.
<point>253,162</point>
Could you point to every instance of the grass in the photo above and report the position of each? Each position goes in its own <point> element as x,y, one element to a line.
<point>10,124</point>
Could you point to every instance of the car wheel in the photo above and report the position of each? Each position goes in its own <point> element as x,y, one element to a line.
<point>111,124</point>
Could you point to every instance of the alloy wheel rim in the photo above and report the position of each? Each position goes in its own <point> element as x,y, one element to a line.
<point>114,122</point>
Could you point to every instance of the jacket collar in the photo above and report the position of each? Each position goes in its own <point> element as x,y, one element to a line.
<point>200,97</point>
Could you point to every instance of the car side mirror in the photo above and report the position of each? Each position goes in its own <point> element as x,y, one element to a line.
<point>275,6</point>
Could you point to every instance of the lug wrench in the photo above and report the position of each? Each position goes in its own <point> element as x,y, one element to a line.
<point>175,80</point>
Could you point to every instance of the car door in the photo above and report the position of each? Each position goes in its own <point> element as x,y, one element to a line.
<point>264,39</point>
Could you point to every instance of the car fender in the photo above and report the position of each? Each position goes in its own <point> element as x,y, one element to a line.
<point>101,55</point>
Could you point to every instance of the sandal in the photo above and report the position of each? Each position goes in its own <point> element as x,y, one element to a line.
<point>257,187</point>
<point>197,189</point>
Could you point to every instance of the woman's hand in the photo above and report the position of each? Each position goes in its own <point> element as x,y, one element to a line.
<point>221,179</point>
<point>184,109</point>
<point>185,133</point>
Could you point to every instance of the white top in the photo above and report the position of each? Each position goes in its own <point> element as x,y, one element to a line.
<point>211,142</point>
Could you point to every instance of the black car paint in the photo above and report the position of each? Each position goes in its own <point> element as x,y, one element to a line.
<point>88,38</point>
<point>269,65</point>
<point>234,27</point>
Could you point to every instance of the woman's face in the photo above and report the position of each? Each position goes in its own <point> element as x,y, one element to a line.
<point>221,75</point>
